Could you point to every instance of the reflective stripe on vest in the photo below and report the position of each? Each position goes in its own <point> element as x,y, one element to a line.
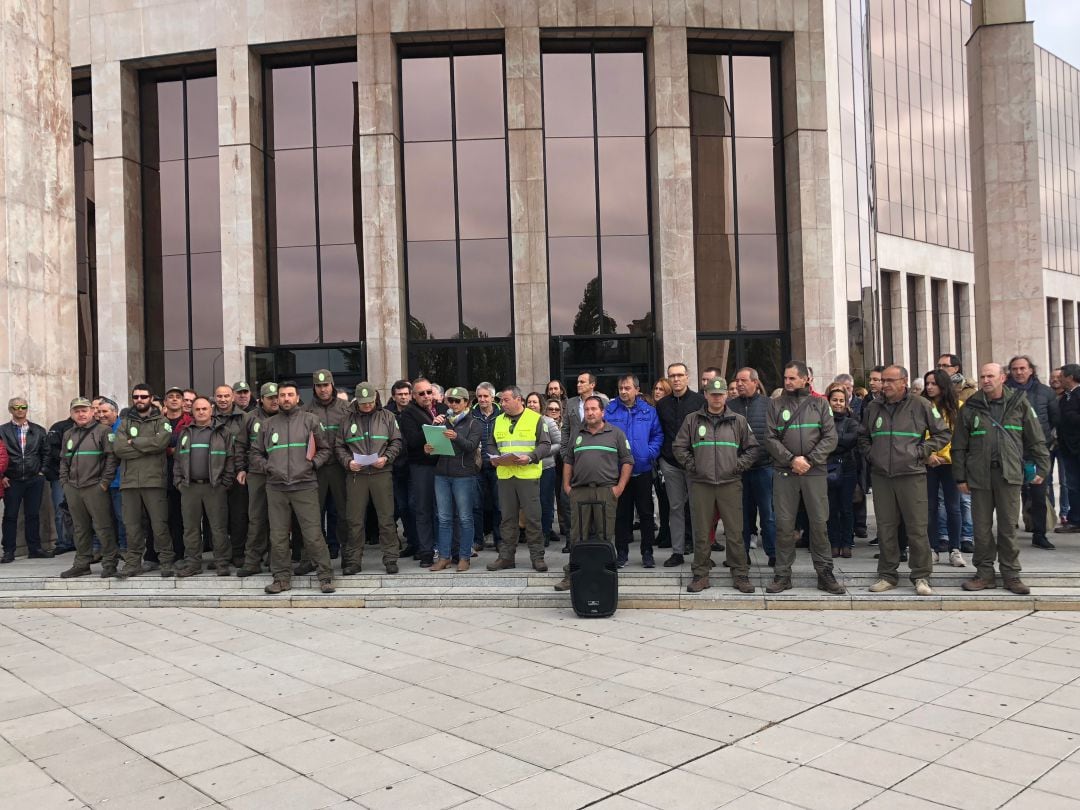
<point>521,440</point>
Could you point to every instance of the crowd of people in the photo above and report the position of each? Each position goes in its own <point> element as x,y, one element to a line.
<point>271,480</point>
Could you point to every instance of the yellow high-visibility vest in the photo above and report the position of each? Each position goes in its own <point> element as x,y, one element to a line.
<point>522,439</point>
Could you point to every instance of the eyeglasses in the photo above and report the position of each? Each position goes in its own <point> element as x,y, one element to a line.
<point>946,365</point>
<point>554,410</point>
<point>453,400</point>
<point>19,407</point>
<point>140,396</point>
<point>890,379</point>
<point>427,393</point>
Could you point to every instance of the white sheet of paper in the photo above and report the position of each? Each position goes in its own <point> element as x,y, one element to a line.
<point>365,461</point>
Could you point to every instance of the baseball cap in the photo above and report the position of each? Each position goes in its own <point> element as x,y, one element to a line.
<point>716,386</point>
<point>80,402</point>
<point>240,386</point>
<point>365,393</point>
<point>175,388</point>
<point>457,392</point>
<point>322,376</point>
<point>268,390</point>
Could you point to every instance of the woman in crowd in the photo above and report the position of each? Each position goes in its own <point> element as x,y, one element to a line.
<point>455,479</point>
<point>534,401</point>
<point>937,387</point>
<point>661,388</point>
<point>554,408</point>
<point>842,473</point>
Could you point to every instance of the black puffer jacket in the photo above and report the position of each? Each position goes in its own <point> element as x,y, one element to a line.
<point>754,409</point>
<point>847,440</point>
<point>411,421</point>
<point>1043,401</point>
<point>55,438</point>
<point>672,412</point>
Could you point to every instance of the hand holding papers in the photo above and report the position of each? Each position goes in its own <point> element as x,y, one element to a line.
<point>435,435</point>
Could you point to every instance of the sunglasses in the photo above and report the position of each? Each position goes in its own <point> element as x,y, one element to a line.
<point>19,407</point>
<point>423,393</point>
<point>141,396</point>
<point>453,400</point>
<point>554,410</point>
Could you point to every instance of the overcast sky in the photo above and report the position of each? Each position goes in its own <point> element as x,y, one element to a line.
<point>1057,27</point>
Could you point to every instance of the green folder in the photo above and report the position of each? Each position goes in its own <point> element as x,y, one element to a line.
<point>435,435</point>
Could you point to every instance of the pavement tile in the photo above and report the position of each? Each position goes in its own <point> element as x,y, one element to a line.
<point>719,725</point>
<point>297,792</point>
<point>176,795</point>
<point>905,740</point>
<point>960,789</point>
<point>497,730</point>
<point>202,756</point>
<point>1036,739</point>
<point>237,778</point>
<point>998,762</point>
<point>1033,799</point>
<point>684,790</point>
<point>321,752</point>
<point>363,774</point>
<point>487,772</point>
<point>546,791</point>
<point>871,765</point>
<point>668,746</point>
<point>550,749</point>
<point>790,744</point>
<point>611,769</point>
<point>52,796</point>
<point>1062,779</point>
<point>819,790</point>
<point>431,753</point>
<point>740,767</point>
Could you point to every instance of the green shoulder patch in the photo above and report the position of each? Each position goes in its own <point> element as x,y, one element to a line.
<point>71,444</point>
<point>877,424</point>
<point>112,437</point>
<point>353,428</point>
<point>183,441</point>
<point>134,431</point>
<point>273,438</point>
<point>168,427</point>
<point>935,412</point>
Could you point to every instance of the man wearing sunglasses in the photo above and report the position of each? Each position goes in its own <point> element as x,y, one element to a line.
<point>423,410</point>
<point>24,482</point>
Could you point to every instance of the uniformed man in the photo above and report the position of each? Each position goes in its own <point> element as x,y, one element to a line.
<point>227,412</point>
<point>289,450</point>
<point>519,441</point>
<point>898,434</point>
<point>596,469</point>
<point>799,435</point>
<point>87,466</point>
<point>331,411</point>
<point>715,446</point>
<point>258,539</point>
<point>141,441</point>
<point>996,431</point>
<point>204,470</point>
<point>242,396</point>
<point>368,430</point>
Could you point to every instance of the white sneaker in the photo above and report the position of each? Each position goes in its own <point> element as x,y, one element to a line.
<point>881,586</point>
<point>753,541</point>
<point>922,588</point>
<point>956,559</point>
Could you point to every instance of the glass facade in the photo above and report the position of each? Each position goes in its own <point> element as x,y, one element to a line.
<point>313,199</point>
<point>1057,90</point>
<point>737,166</point>
<point>597,179</point>
<point>181,227</point>
<point>85,235</point>
<point>457,220</point>
<point>918,79</point>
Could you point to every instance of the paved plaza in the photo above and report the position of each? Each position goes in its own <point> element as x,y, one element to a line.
<point>533,708</point>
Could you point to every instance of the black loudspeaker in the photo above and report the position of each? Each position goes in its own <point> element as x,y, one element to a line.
<point>594,580</point>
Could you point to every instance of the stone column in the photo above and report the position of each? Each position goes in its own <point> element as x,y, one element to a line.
<point>382,209</point>
<point>118,207</point>
<point>242,164</point>
<point>818,324</point>
<point>1010,304</point>
<point>674,283</point>
<point>39,356</point>
<point>525,139</point>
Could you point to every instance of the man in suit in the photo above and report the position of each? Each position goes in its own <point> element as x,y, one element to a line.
<point>574,415</point>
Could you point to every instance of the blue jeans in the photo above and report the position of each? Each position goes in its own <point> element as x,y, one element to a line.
<point>454,494</point>
<point>487,500</point>
<point>842,511</point>
<point>757,498</point>
<point>1063,496</point>
<point>24,495</point>
<point>941,479</point>
<point>65,531</point>
<point>547,500</point>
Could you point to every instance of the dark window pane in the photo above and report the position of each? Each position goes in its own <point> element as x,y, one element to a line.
<point>714,185</point>
<point>297,295</point>
<point>485,288</point>
<point>752,77</point>
<point>425,99</point>
<point>620,94</point>
<point>765,355</point>
<point>202,125</point>
<point>625,266</point>
<point>433,302</point>
<point>206,327</point>
<point>567,94</point>
<point>339,177</point>
<point>571,186</point>
<point>623,187</point>
<point>714,258</point>
<point>292,107</point>
<point>481,173</point>
<point>429,191</point>
<point>335,104</point>
<point>575,305</point>
<point>177,369</point>
<point>435,363</point>
<point>294,196</point>
<point>170,120</point>
<point>759,282</point>
<point>342,294</point>
<point>478,96</point>
<point>493,363</point>
<point>755,158</point>
<point>718,353</point>
<point>204,208</point>
<point>209,369</point>
<point>174,303</point>
<point>173,208</point>
<point>710,95</point>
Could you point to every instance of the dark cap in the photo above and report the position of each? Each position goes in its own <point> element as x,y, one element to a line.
<point>321,377</point>
<point>240,386</point>
<point>365,393</point>
<point>175,388</point>
<point>716,386</point>
<point>268,390</point>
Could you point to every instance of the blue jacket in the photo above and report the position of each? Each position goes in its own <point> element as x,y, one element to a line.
<point>642,428</point>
